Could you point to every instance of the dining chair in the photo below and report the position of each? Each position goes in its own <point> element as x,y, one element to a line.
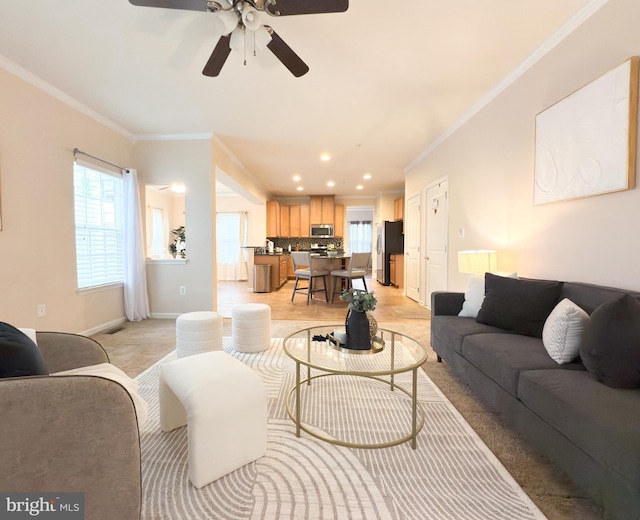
<point>357,270</point>
<point>303,269</point>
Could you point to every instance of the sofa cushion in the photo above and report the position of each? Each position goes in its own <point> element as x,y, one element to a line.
<point>604,422</point>
<point>450,331</point>
<point>521,306</point>
<point>503,356</point>
<point>563,331</point>
<point>611,346</point>
<point>19,356</point>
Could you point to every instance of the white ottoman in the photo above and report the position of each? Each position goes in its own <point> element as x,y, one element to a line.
<point>224,404</point>
<point>198,332</point>
<point>251,327</point>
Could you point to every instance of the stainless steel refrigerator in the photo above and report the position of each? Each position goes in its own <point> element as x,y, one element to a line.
<point>389,241</point>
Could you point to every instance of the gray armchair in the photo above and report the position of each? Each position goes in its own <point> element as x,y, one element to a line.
<point>71,433</point>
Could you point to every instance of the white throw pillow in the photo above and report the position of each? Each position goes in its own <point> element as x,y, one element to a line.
<point>474,295</point>
<point>562,332</point>
<point>109,371</point>
<point>31,333</point>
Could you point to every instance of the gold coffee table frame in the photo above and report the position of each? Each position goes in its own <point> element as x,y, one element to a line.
<point>321,358</point>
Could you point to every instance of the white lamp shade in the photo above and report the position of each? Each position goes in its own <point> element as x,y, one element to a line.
<point>477,262</point>
<point>251,18</point>
<point>226,21</point>
<point>262,37</point>
<point>237,39</point>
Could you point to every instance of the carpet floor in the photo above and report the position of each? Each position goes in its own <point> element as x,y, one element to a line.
<point>451,474</point>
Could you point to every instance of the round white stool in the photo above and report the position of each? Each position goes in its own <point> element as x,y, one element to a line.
<point>198,332</point>
<point>251,327</point>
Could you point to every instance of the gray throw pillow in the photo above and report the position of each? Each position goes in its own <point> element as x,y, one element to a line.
<point>611,343</point>
<point>517,305</point>
<point>19,356</point>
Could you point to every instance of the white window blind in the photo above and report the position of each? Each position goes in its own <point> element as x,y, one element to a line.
<point>228,237</point>
<point>99,222</point>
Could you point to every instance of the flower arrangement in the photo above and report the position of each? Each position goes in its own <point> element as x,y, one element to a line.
<point>359,300</point>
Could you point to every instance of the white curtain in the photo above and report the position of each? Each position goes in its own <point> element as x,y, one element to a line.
<point>136,300</point>
<point>231,235</point>
<point>360,236</point>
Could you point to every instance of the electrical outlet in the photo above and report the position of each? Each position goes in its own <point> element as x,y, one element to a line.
<point>42,310</point>
<point>183,290</point>
<point>461,233</point>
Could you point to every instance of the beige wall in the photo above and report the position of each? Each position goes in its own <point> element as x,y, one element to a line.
<point>186,162</point>
<point>37,244</point>
<point>490,160</point>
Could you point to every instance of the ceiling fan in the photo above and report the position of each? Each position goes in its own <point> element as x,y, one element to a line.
<point>237,19</point>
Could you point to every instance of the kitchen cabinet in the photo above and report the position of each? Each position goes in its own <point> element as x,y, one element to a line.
<point>396,270</point>
<point>305,221</point>
<point>273,218</point>
<point>278,265</point>
<point>294,221</point>
<point>322,209</point>
<point>398,209</point>
<point>338,220</point>
<point>285,221</point>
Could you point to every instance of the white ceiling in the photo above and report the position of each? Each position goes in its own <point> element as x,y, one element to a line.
<point>386,78</point>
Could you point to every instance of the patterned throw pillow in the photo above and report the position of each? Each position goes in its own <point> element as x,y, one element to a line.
<point>562,332</point>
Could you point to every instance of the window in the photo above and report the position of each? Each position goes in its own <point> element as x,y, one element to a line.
<point>99,223</point>
<point>360,236</point>
<point>228,237</point>
<point>159,239</point>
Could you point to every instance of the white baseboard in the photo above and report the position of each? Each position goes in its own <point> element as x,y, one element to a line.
<point>165,315</point>
<point>104,326</point>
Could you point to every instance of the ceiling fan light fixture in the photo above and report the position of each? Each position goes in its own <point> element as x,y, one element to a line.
<point>226,21</point>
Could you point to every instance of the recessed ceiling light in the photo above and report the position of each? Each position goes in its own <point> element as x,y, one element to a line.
<point>359,187</point>
<point>299,188</point>
<point>296,177</point>
<point>331,184</point>
<point>366,176</point>
<point>325,157</point>
<point>178,188</point>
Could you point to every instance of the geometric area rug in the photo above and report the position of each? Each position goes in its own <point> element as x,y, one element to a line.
<point>451,475</point>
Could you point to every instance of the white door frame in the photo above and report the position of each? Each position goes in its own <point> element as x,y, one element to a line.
<point>413,237</point>
<point>424,244</point>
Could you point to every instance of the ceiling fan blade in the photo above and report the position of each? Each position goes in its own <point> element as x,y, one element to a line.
<point>187,5</point>
<point>218,57</point>
<point>291,7</point>
<point>286,55</point>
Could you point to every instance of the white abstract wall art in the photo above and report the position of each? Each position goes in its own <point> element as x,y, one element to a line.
<point>586,143</point>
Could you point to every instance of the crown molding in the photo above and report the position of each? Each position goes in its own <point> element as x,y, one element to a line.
<point>203,136</point>
<point>47,88</point>
<point>583,14</point>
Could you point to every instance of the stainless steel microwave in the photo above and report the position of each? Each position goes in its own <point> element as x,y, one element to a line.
<point>324,230</point>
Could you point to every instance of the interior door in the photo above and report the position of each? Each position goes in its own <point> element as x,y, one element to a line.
<point>412,247</point>
<point>436,238</point>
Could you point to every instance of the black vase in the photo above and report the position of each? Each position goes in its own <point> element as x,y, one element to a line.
<point>358,334</point>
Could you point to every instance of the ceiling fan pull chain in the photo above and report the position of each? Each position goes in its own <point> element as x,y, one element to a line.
<point>244,31</point>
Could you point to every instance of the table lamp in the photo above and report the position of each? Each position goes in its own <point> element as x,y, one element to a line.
<point>477,262</point>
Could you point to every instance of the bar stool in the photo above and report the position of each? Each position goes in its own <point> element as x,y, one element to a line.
<point>357,270</point>
<point>302,268</point>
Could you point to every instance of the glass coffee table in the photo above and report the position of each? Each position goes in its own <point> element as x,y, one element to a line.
<point>348,391</point>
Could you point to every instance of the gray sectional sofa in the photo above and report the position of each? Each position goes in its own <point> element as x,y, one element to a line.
<point>589,429</point>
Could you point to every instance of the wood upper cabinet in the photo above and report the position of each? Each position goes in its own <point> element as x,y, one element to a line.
<point>305,221</point>
<point>328,216</point>
<point>398,209</point>
<point>294,221</point>
<point>273,218</point>
<point>321,210</point>
<point>338,220</point>
<point>285,222</point>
